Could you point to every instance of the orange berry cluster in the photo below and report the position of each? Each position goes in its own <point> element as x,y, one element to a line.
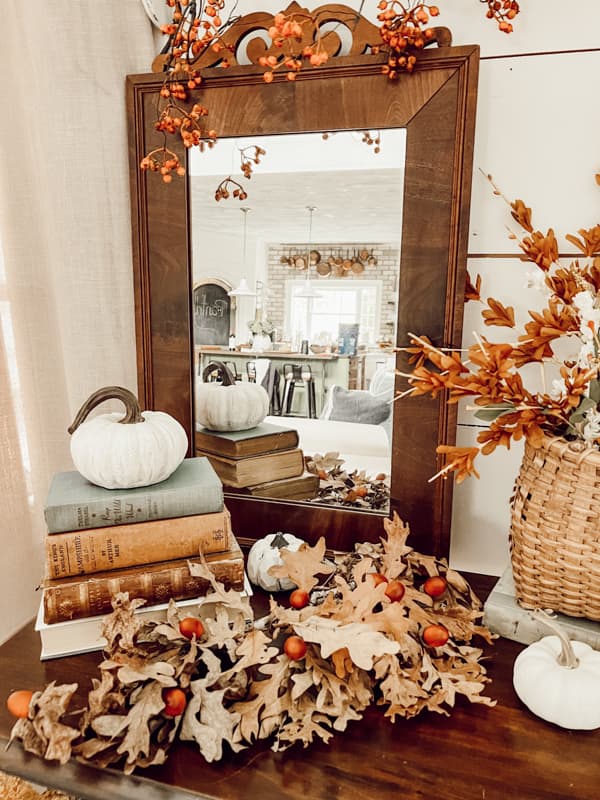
<point>175,120</point>
<point>403,32</point>
<point>230,188</point>
<point>191,34</point>
<point>373,140</point>
<point>163,161</point>
<point>502,12</point>
<point>248,160</point>
<point>290,31</point>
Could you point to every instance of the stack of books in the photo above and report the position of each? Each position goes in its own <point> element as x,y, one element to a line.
<point>104,541</point>
<point>264,461</point>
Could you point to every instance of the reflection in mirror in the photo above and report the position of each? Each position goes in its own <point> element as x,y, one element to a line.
<point>296,287</point>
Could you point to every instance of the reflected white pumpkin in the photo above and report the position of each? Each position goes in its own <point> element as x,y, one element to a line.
<point>238,407</point>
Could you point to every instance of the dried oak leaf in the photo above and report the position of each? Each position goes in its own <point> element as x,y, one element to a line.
<point>207,722</point>
<point>363,643</point>
<point>253,650</point>
<point>303,729</point>
<point>147,703</point>
<point>131,669</point>
<point>394,546</point>
<point>355,602</point>
<point>266,707</point>
<point>221,632</point>
<point>105,696</point>
<point>120,628</point>
<point>302,566</point>
<point>42,732</point>
<point>460,678</point>
<point>398,691</point>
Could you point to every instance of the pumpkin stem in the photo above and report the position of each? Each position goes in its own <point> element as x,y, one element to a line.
<point>279,540</point>
<point>132,407</point>
<point>566,657</point>
<point>224,376</point>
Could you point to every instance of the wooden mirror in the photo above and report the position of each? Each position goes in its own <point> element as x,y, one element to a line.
<point>436,107</point>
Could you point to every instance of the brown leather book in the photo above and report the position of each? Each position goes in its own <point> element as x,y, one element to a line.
<point>98,549</point>
<point>264,438</point>
<point>303,487</point>
<point>77,597</point>
<point>242,472</point>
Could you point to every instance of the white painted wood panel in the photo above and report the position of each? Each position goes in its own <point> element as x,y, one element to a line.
<point>535,133</point>
<point>480,514</point>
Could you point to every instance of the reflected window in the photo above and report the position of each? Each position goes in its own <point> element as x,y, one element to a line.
<point>339,303</point>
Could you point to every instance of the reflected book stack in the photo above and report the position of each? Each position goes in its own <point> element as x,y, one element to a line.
<point>141,541</point>
<point>263,461</point>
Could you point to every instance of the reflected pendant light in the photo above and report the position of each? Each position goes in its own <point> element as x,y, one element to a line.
<point>308,290</point>
<point>242,289</point>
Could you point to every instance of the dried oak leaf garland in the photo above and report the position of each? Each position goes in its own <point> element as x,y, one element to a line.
<point>352,488</point>
<point>242,682</point>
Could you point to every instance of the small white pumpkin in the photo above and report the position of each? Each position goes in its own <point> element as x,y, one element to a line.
<point>230,406</point>
<point>559,680</point>
<point>264,554</point>
<point>123,451</point>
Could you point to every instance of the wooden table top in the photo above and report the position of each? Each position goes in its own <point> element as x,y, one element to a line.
<point>477,753</point>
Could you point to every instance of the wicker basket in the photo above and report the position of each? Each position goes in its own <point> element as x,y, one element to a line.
<point>555,529</point>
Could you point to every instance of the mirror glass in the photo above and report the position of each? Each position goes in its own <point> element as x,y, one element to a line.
<point>317,244</point>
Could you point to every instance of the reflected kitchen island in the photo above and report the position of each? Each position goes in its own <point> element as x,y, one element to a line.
<point>327,369</point>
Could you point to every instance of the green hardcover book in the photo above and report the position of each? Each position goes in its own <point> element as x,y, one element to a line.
<point>73,503</point>
<point>264,438</point>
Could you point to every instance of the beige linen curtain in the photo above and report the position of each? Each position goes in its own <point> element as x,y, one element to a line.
<point>66,297</point>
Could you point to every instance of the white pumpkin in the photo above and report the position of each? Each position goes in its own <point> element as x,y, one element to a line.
<point>230,406</point>
<point>123,451</point>
<point>264,554</point>
<point>559,680</point>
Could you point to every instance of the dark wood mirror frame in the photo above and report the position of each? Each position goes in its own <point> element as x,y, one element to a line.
<point>436,106</point>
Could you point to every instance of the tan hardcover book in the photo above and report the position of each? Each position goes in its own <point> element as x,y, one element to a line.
<point>242,472</point>
<point>76,597</point>
<point>303,487</point>
<point>98,549</point>
<point>264,438</point>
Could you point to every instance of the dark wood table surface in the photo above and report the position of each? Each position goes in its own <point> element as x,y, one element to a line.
<point>477,753</point>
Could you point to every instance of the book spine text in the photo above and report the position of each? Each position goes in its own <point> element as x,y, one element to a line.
<point>89,551</point>
<point>92,596</point>
<point>109,511</point>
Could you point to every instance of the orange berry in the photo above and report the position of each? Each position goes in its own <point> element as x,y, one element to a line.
<point>18,703</point>
<point>435,635</point>
<point>190,627</point>
<point>435,586</point>
<point>175,701</point>
<point>395,591</point>
<point>299,598</point>
<point>295,648</point>
<point>377,578</point>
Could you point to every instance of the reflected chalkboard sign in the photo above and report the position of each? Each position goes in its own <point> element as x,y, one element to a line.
<point>212,314</point>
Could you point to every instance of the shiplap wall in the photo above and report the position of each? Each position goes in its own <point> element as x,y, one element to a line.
<point>538,118</point>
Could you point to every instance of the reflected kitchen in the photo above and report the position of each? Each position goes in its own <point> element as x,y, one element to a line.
<point>296,288</point>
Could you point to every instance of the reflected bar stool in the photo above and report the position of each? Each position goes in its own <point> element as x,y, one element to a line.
<point>295,374</point>
<point>251,371</point>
